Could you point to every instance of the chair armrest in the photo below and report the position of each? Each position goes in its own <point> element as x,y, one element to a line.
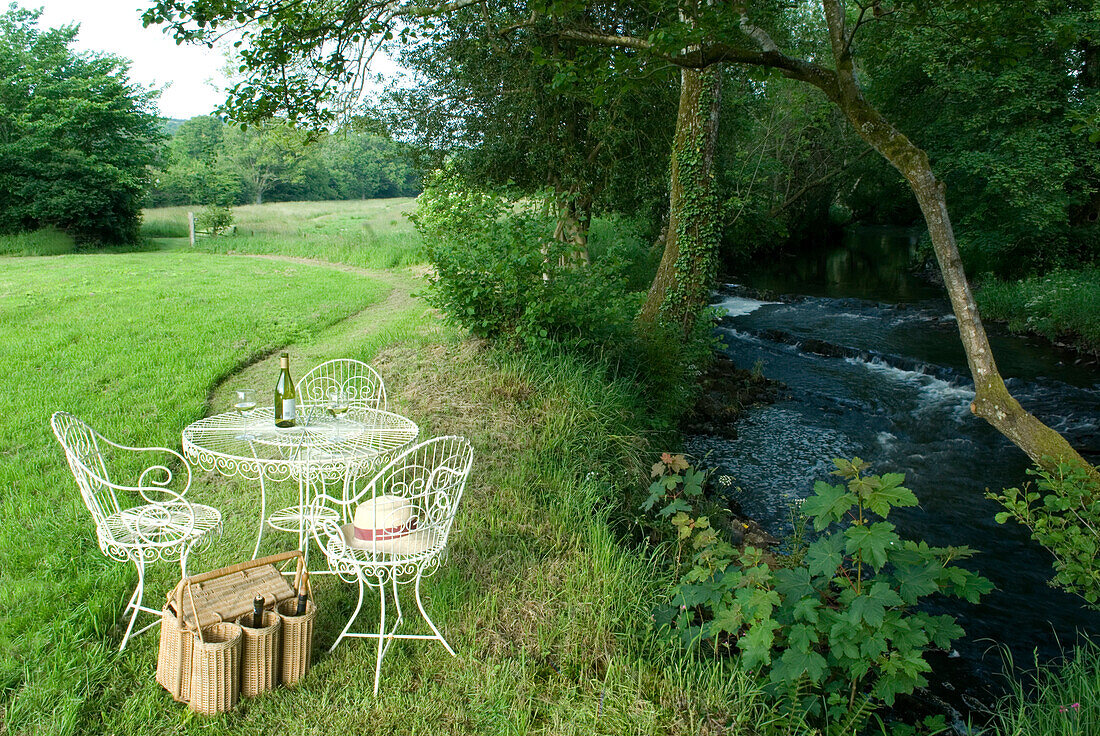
<point>156,479</point>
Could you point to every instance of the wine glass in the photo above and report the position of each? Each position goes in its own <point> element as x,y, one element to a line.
<point>338,404</point>
<point>246,401</point>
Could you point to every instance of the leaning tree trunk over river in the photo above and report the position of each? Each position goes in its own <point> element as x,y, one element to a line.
<point>683,281</point>
<point>992,401</point>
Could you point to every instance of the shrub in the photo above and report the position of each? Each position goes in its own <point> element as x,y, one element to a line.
<point>1059,305</point>
<point>500,273</point>
<point>1063,514</point>
<point>214,219</point>
<point>839,632</point>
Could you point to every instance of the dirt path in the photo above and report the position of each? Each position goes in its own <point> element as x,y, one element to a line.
<point>398,317</point>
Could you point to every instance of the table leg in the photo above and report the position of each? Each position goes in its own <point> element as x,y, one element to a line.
<point>303,519</point>
<point>263,514</point>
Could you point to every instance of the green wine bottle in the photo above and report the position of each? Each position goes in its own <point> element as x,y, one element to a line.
<point>284,395</point>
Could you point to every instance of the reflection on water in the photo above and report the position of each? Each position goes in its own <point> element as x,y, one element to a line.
<point>868,263</point>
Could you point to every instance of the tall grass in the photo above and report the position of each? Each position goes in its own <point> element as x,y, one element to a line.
<point>1064,700</point>
<point>373,233</point>
<point>45,242</point>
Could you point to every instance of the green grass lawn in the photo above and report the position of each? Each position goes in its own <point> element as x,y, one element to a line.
<point>372,233</point>
<point>133,343</point>
<point>544,604</point>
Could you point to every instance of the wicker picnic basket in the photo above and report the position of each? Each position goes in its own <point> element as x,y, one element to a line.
<point>196,639</point>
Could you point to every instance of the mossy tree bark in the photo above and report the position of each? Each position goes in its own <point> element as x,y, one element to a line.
<point>681,288</point>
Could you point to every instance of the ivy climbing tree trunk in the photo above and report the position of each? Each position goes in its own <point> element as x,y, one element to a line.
<point>682,285</point>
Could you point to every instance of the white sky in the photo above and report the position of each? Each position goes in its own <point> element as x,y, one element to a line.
<point>190,76</point>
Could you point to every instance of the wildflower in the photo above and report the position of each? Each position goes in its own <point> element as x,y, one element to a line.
<point>1062,709</point>
<point>1076,706</point>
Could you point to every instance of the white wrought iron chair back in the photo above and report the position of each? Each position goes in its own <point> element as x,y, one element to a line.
<point>360,383</point>
<point>429,479</point>
<point>414,498</point>
<point>143,522</point>
<point>89,468</point>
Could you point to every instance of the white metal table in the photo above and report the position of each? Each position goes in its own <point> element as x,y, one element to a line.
<point>321,449</point>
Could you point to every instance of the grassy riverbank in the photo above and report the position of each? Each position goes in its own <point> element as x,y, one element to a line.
<point>545,597</point>
<point>1063,305</point>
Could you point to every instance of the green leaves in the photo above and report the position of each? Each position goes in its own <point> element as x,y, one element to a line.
<point>829,504</point>
<point>825,555</point>
<point>1063,516</point>
<point>870,544</point>
<point>843,613</point>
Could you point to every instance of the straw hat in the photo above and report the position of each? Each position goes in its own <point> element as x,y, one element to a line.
<point>387,524</point>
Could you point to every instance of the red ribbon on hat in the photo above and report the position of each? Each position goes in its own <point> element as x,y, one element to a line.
<point>381,535</point>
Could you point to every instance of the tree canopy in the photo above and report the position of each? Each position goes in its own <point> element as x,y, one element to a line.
<point>76,136</point>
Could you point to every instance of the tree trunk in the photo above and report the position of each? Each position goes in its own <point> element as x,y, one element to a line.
<point>682,285</point>
<point>992,400</point>
<point>574,216</point>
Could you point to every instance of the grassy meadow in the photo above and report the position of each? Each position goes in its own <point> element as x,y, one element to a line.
<point>545,606</point>
<point>371,233</point>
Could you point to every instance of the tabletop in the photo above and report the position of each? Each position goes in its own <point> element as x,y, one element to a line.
<point>250,445</point>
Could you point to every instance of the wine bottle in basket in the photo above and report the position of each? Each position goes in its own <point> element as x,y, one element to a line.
<point>258,612</point>
<point>302,597</point>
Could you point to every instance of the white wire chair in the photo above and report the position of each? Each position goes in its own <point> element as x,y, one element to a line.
<point>427,480</point>
<point>360,383</point>
<point>165,526</point>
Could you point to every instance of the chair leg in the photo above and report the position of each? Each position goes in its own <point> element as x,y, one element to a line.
<point>420,605</point>
<point>135,600</point>
<point>381,632</point>
<point>359,605</point>
<point>184,555</point>
<point>400,616</point>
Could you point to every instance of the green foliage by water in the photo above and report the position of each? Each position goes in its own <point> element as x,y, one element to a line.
<point>1063,513</point>
<point>1059,305</point>
<point>995,92</point>
<point>76,136</point>
<point>838,630</point>
<point>1053,699</point>
<point>500,273</point>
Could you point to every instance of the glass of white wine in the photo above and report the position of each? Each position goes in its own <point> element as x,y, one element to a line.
<point>338,404</point>
<point>246,401</point>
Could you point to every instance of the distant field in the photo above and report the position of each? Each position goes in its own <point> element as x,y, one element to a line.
<point>372,233</point>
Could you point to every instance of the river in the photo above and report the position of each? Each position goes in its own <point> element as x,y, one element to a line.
<point>874,367</point>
